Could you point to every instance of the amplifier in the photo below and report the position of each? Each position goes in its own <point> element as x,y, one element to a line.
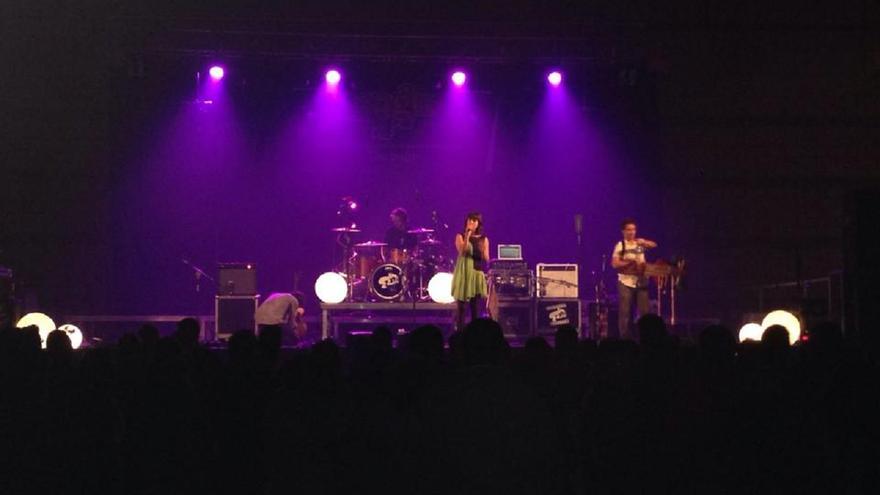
<point>516,318</point>
<point>553,313</point>
<point>234,313</point>
<point>557,280</point>
<point>516,283</point>
<point>236,279</point>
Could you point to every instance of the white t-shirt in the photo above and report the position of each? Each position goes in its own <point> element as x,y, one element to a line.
<point>277,309</point>
<point>633,252</point>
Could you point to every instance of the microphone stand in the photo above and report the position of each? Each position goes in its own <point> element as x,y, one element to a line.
<point>198,273</point>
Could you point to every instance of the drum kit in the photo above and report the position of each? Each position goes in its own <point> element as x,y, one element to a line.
<point>375,272</point>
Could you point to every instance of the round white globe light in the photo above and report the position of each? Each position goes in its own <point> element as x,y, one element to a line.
<point>331,287</point>
<point>751,331</point>
<point>440,288</point>
<point>73,333</point>
<point>41,320</point>
<point>787,320</point>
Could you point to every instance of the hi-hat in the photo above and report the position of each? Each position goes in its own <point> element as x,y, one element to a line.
<point>371,244</point>
<point>348,230</point>
<point>420,230</point>
<point>430,242</point>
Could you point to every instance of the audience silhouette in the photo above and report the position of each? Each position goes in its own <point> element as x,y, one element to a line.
<point>400,413</point>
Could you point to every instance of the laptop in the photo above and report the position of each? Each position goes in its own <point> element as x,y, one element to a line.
<point>510,252</point>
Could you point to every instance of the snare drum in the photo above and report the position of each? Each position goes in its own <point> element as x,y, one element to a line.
<point>386,282</point>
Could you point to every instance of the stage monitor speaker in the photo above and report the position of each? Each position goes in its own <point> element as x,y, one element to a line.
<point>234,313</point>
<point>557,280</point>
<point>551,314</point>
<point>516,318</point>
<point>236,279</point>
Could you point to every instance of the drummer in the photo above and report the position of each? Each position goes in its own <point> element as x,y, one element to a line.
<point>397,236</point>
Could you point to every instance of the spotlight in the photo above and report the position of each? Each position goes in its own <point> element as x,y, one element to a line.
<point>554,78</point>
<point>751,331</point>
<point>216,72</point>
<point>786,319</point>
<point>440,288</point>
<point>73,333</point>
<point>458,78</point>
<point>42,321</point>
<point>333,77</point>
<point>331,287</point>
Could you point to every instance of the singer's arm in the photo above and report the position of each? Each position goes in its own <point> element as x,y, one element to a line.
<point>460,244</point>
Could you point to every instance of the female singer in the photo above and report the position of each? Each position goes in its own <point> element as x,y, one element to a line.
<point>469,279</point>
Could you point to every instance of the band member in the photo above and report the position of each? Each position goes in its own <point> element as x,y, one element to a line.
<point>628,258</point>
<point>468,279</point>
<point>397,236</point>
<point>280,310</point>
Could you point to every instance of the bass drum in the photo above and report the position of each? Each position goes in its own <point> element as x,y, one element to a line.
<point>386,282</point>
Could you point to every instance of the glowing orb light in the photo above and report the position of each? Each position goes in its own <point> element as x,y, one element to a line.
<point>73,333</point>
<point>42,321</point>
<point>440,288</point>
<point>554,78</point>
<point>216,72</point>
<point>787,320</point>
<point>331,288</point>
<point>459,78</point>
<point>332,77</point>
<point>751,331</point>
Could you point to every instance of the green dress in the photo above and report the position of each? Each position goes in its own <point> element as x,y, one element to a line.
<point>467,281</point>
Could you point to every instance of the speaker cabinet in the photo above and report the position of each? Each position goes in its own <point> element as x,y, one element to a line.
<point>234,313</point>
<point>236,279</point>
<point>516,318</point>
<point>551,314</point>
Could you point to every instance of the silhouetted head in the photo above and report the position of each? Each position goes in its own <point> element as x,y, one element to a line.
<point>652,331</point>
<point>30,341</point>
<point>426,341</point>
<point>483,342</point>
<point>128,344</point>
<point>58,344</point>
<point>380,338</point>
<point>148,335</point>
<point>187,333</point>
<point>566,338</point>
<point>775,338</point>
<point>717,343</point>
<point>825,338</point>
<point>270,340</point>
<point>242,347</point>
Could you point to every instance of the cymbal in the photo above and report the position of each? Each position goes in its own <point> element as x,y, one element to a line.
<point>348,230</point>
<point>420,230</point>
<point>430,242</point>
<point>371,244</point>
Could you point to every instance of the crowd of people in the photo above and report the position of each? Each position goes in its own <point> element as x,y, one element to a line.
<point>163,414</point>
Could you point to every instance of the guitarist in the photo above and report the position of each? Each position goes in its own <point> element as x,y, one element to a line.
<point>628,258</point>
<point>279,310</point>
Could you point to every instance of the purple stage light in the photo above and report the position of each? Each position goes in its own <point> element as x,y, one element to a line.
<point>332,77</point>
<point>216,72</point>
<point>458,78</point>
<point>554,78</point>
